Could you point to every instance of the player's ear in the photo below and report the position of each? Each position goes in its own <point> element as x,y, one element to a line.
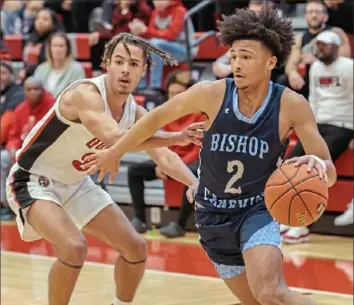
<point>144,69</point>
<point>272,62</point>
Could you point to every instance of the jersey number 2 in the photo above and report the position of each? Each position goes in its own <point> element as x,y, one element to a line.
<point>237,175</point>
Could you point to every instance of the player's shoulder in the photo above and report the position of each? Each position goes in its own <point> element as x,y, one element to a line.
<point>292,100</point>
<point>208,89</point>
<point>83,91</point>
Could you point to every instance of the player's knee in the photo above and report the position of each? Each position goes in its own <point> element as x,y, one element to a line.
<point>269,295</point>
<point>137,250</point>
<point>74,250</point>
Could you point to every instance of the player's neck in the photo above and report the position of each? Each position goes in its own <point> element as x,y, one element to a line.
<point>252,98</point>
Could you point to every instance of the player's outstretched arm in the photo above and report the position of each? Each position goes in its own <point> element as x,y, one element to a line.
<point>88,108</point>
<point>194,100</point>
<point>191,101</point>
<point>169,162</point>
<point>304,123</point>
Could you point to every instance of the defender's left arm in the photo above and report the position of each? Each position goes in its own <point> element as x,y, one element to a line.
<point>303,122</point>
<point>169,162</point>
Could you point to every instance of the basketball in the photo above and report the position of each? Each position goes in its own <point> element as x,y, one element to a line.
<point>294,196</point>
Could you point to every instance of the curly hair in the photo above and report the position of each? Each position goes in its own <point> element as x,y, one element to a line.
<point>267,27</point>
<point>129,39</point>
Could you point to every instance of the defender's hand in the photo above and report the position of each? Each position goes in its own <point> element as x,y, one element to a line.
<point>312,162</point>
<point>105,162</point>
<point>190,193</point>
<point>192,134</point>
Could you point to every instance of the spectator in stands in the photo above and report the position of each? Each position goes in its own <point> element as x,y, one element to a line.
<point>331,98</point>
<point>36,104</point>
<point>45,23</point>
<point>20,21</point>
<point>341,14</point>
<point>60,69</point>
<point>303,52</point>
<point>11,94</point>
<point>124,12</point>
<point>177,82</point>
<point>222,66</point>
<point>166,31</point>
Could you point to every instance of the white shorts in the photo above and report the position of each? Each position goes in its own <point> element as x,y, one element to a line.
<point>82,201</point>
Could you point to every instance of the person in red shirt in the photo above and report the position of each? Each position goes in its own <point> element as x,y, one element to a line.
<point>165,31</point>
<point>36,104</point>
<point>177,82</point>
<point>18,124</point>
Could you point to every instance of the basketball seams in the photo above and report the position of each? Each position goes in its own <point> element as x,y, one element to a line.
<point>281,195</point>
<point>289,215</point>
<point>297,193</point>
<point>297,171</point>
<point>311,191</point>
<point>308,178</point>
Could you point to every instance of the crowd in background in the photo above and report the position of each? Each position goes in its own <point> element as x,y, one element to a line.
<point>320,68</point>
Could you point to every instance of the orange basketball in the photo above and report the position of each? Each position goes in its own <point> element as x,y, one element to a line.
<point>295,197</point>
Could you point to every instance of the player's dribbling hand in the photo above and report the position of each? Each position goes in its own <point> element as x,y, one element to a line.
<point>104,162</point>
<point>192,134</point>
<point>312,162</point>
<point>190,193</point>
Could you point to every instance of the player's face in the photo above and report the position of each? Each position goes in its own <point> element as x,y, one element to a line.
<point>125,70</point>
<point>251,63</point>
<point>315,15</point>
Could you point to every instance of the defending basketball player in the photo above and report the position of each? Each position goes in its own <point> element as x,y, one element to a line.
<point>52,195</point>
<point>249,122</point>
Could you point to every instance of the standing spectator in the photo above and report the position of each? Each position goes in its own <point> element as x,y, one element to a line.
<point>304,50</point>
<point>341,14</point>
<point>60,69</point>
<point>177,82</point>
<point>331,98</point>
<point>165,31</point>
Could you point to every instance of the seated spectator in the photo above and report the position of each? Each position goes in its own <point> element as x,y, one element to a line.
<point>177,82</point>
<point>303,52</point>
<point>166,31</point>
<point>36,104</point>
<point>4,51</point>
<point>11,94</point>
<point>60,69</point>
<point>124,12</point>
<point>331,99</point>
<point>45,23</point>
<point>20,21</point>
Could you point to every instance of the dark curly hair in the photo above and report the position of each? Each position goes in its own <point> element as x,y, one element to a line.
<point>267,27</point>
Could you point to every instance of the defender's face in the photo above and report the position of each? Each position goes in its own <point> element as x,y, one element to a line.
<point>251,63</point>
<point>125,70</point>
<point>315,15</point>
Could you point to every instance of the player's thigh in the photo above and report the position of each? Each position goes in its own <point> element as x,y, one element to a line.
<point>52,223</point>
<point>260,243</point>
<point>240,288</point>
<point>112,226</point>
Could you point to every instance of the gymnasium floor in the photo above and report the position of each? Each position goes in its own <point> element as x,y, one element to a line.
<point>179,272</point>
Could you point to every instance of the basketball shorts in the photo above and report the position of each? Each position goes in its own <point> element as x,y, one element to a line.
<point>82,201</point>
<point>225,237</point>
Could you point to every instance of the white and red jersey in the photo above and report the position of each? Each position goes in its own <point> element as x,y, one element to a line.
<point>56,147</point>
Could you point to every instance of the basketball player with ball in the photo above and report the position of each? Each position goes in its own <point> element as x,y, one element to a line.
<point>249,120</point>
